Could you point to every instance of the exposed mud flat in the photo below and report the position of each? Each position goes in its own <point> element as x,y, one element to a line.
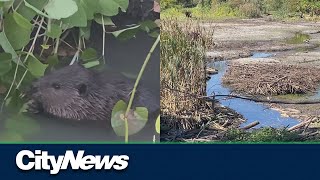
<point>287,43</point>
<point>239,38</point>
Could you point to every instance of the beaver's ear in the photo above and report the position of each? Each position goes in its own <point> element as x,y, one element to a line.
<point>82,89</point>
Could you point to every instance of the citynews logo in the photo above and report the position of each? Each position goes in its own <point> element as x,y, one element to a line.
<point>40,160</point>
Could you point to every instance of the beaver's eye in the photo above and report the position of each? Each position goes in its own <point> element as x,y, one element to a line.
<point>56,85</point>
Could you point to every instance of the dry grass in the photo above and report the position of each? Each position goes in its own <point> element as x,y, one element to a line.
<point>183,47</point>
<point>272,79</point>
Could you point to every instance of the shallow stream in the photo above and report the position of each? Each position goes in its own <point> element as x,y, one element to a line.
<point>251,110</point>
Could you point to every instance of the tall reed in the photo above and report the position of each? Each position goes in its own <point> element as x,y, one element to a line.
<point>183,47</point>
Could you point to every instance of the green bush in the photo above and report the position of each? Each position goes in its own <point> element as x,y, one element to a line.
<point>165,4</point>
<point>225,10</point>
<point>172,12</point>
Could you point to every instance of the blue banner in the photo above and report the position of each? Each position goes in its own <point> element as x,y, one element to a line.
<point>159,161</point>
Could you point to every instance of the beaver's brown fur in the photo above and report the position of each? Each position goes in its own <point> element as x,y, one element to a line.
<point>75,92</point>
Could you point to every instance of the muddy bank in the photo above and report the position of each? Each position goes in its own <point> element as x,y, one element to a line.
<point>239,38</point>
<point>288,43</point>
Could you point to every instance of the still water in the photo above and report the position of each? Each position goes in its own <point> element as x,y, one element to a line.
<point>251,110</point>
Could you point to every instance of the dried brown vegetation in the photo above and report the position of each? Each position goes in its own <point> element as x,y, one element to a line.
<point>272,79</point>
<point>183,47</point>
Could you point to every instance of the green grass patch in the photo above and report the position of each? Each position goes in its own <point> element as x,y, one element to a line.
<point>267,134</point>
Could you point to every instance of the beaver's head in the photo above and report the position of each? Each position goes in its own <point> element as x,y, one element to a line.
<point>63,93</point>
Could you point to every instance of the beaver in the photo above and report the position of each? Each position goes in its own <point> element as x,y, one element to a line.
<point>77,93</point>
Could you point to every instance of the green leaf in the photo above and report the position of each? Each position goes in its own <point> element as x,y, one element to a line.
<point>106,20</point>
<point>6,46</point>
<point>125,34</point>
<point>90,7</point>
<point>148,25</point>
<point>8,78</point>
<point>120,106</point>
<point>111,7</point>
<point>21,21</point>
<point>158,124</point>
<point>78,19</point>
<point>58,9</point>
<point>17,30</point>
<point>30,8</point>
<point>53,60</point>
<point>89,54</point>
<point>141,112</point>
<point>91,64</point>
<point>35,67</point>
<point>154,34</point>
<point>136,119</point>
<point>86,31</point>
<point>45,46</point>
<point>5,63</point>
<point>14,102</point>
<point>6,5</point>
<point>55,31</point>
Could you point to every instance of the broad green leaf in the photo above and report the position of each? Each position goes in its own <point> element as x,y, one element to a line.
<point>86,31</point>
<point>8,77</point>
<point>125,34</point>
<point>6,46</point>
<point>120,106</point>
<point>136,119</point>
<point>158,124</point>
<point>141,112</point>
<point>58,9</point>
<point>106,20</point>
<point>21,21</point>
<point>5,63</point>
<point>6,5</point>
<point>17,30</point>
<point>78,19</point>
<point>111,7</point>
<point>90,7</point>
<point>89,55</point>
<point>35,67</point>
<point>55,31</point>
<point>53,60</point>
<point>30,8</point>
